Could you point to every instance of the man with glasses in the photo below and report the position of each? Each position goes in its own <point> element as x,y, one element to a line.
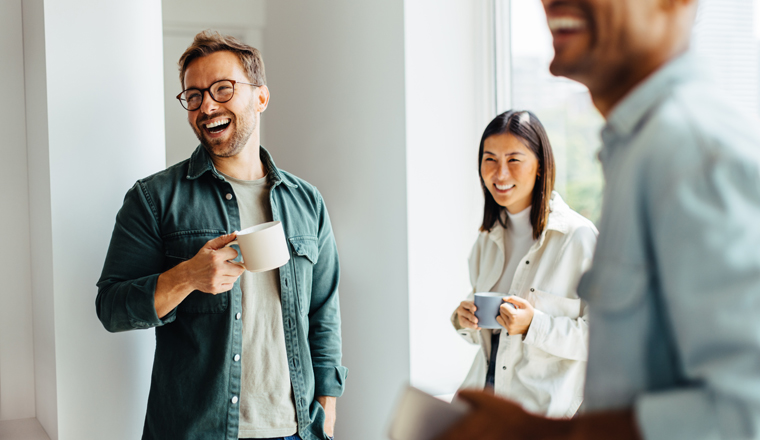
<point>238,354</point>
<point>674,291</point>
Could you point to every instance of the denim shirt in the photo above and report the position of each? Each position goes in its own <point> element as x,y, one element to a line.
<point>674,290</point>
<point>166,218</point>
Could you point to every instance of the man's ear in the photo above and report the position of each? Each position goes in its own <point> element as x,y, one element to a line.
<point>262,99</point>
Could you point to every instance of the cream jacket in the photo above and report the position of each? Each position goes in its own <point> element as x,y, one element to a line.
<point>544,369</point>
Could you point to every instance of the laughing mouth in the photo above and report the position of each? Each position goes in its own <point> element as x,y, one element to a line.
<point>217,126</point>
<point>566,24</point>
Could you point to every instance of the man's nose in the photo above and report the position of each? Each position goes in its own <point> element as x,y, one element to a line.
<point>208,105</point>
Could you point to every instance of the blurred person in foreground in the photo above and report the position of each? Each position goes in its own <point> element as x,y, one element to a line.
<point>674,290</point>
<point>533,249</point>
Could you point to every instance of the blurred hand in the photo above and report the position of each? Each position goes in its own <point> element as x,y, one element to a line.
<point>515,319</point>
<point>466,315</point>
<point>493,418</point>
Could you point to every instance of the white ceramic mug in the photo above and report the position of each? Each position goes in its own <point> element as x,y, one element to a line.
<point>263,247</point>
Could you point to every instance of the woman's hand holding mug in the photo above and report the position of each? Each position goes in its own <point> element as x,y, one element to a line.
<point>466,314</point>
<point>515,319</point>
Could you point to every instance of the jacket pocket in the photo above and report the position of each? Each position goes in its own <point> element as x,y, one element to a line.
<point>612,288</point>
<point>554,305</point>
<point>306,254</point>
<point>183,245</point>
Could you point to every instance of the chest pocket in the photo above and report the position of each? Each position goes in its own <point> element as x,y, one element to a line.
<point>181,246</point>
<point>554,305</point>
<point>306,254</point>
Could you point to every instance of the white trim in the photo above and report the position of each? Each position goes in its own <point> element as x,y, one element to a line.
<point>502,45</point>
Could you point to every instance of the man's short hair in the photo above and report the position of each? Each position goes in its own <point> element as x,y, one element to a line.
<point>208,42</point>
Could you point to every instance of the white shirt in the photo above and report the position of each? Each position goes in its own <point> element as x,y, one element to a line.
<point>545,371</point>
<point>518,239</point>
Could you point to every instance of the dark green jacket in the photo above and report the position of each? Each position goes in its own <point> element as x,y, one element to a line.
<point>166,218</point>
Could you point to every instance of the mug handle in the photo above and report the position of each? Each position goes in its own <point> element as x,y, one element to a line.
<point>240,263</point>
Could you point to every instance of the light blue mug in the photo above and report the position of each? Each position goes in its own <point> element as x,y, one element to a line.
<point>487,308</point>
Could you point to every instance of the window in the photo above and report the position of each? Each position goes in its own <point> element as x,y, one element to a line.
<point>726,36</point>
<point>563,106</point>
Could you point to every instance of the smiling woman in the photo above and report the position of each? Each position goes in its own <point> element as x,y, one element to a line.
<point>532,250</point>
<point>515,158</point>
<point>506,163</point>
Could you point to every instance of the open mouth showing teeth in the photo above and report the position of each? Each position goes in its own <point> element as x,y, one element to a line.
<point>562,25</point>
<point>503,187</point>
<point>218,126</point>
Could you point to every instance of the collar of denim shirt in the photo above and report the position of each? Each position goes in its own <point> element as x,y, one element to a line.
<point>200,163</point>
<point>629,114</point>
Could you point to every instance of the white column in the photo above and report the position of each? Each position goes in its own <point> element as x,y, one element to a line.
<point>16,343</point>
<point>39,216</point>
<point>95,119</point>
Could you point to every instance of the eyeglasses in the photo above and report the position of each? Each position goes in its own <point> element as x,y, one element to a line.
<point>220,91</point>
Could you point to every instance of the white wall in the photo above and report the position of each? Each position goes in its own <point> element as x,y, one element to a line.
<point>16,337</point>
<point>336,118</point>
<point>449,101</point>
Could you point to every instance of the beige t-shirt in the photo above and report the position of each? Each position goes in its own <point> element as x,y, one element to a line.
<point>266,397</point>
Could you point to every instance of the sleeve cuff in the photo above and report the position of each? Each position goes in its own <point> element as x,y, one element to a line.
<point>537,327</point>
<point>141,305</point>
<point>676,415</point>
<point>330,381</point>
<point>469,335</point>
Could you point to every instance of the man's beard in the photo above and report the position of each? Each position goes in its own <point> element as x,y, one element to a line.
<point>244,127</point>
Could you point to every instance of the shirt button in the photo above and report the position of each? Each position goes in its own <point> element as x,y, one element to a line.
<point>234,400</point>
<point>504,367</point>
<point>527,262</point>
<point>228,196</point>
<point>237,357</point>
<point>238,315</point>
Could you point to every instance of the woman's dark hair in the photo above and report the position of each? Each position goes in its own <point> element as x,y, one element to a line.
<point>527,128</point>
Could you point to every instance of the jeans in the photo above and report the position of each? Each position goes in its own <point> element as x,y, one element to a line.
<point>491,375</point>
